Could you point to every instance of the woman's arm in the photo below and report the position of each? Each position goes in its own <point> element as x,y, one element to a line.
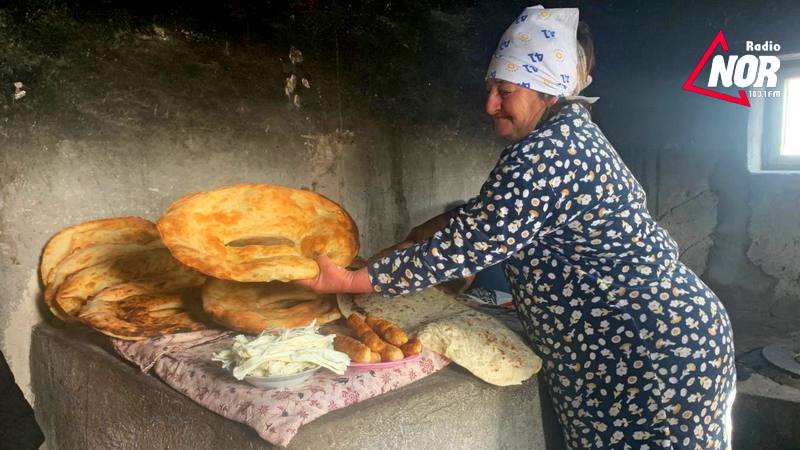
<point>334,279</point>
<point>416,235</point>
<point>429,228</point>
<point>514,205</point>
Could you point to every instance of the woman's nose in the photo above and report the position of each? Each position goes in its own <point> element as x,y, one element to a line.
<point>492,102</point>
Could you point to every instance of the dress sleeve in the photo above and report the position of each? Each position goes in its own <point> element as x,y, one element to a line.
<point>460,209</point>
<point>513,205</point>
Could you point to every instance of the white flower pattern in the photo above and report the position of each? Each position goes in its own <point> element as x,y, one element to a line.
<point>599,289</point>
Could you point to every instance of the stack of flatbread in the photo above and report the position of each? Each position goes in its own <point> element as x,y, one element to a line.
<point>133,279</point>
<point>253,239</point>
<point>116,276</point>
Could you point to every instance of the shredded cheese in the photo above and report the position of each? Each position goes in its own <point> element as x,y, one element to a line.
<point>282,351</point>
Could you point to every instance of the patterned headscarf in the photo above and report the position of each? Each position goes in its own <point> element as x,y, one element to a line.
<point>540,51</point>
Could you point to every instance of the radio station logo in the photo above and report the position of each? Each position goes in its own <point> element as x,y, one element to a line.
<point>754,73</point>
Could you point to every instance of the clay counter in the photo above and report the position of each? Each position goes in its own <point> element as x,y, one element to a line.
<point>88,398</point>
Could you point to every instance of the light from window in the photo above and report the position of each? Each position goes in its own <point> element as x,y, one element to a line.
<point>790,144</point>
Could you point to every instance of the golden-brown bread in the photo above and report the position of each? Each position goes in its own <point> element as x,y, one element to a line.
<point>258,232</point>
<point>79,287</point>
<point>391,353</point>
<point>252,307</point>
<point>373,341</point>
<point>116,230</point>
<point>365,333</point>
<point>387,330</point>
<point>85,244</point>
<point>356,323</point>
<point>376,357</point>
<point>88,256</point>
<point>138,317</point>
<point>357,351</point>
<point>412,347</point>
<point>387,351</point>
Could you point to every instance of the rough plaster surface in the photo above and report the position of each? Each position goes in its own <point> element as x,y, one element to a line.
<point>89,399</point>
<point>775,233</point>
<point>17,334</point>
<point>444,165</point>
<point>691,223</point>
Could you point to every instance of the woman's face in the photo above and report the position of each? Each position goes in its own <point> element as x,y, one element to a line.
<point>516,110</point>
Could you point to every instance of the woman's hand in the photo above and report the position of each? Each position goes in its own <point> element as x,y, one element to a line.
<point>333,279</point>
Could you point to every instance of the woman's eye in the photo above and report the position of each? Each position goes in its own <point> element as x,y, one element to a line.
<point>505,93</point>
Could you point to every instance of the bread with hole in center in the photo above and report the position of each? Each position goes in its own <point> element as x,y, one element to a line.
<point>258,232</point>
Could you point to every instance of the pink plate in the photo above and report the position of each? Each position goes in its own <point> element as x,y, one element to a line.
<point>383,365</point>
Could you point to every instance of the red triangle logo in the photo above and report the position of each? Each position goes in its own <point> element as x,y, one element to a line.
<point>719,40</point>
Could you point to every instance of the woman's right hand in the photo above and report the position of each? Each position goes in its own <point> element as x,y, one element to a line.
<point>333,279</point>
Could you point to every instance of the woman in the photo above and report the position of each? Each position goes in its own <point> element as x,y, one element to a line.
<point>637,350</point>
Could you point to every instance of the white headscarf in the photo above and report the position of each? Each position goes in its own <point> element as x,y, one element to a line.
<point>540,51</point>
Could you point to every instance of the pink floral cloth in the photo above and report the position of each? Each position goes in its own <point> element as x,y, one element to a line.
<point>184,362</point>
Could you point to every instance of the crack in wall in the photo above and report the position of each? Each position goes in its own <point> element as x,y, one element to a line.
<point>705,238</point>
<point>682,203</point>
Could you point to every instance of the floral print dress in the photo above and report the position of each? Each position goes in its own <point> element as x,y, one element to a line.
<point>638,351</point>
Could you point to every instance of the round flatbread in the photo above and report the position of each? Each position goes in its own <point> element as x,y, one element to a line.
<point>252,307</point>
<point>258,232</point>
<point>84,257</point>
<point>79,287</point>
<point>142,316</point>
<point>85,244</point>
<point>116,230</point>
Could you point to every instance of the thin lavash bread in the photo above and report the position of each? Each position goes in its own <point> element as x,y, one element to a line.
<point>406,311</point>
<point>482,345</point>
<point>470,338</point>
<point>258,232</point>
